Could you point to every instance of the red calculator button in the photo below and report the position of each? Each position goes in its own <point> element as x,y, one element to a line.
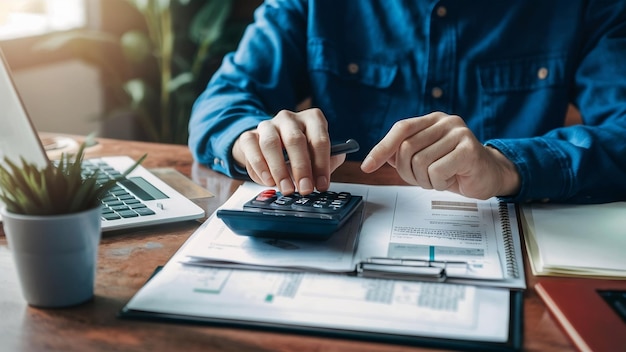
<point>265,195</point>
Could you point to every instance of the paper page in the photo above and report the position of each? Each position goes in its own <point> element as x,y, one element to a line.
<point>528,225</point>
<point>410,222</point>
<point>580,239</point>
<point>328,301</point>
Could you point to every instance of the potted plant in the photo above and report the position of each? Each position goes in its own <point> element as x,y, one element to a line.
<point>154,70</point>
<point>51,218</point>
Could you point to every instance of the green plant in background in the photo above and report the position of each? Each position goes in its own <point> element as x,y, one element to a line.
<point>58,188</point>
<point>166,63</point>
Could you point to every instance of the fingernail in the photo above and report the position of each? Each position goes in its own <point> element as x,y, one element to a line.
<point>367,163</point>
<point>267,178</point>
<point>305,185</point>
<point>322,182</point>
<point>286,186</point>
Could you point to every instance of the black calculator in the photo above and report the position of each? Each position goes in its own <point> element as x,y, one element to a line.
<point>271,214</point>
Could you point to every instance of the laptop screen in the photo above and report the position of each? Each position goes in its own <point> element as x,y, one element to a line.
<point>17,135</point>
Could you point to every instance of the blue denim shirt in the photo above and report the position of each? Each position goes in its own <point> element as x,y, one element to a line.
<point>508,68</point>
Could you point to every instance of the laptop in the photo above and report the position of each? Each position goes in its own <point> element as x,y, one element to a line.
<point>142,199</point>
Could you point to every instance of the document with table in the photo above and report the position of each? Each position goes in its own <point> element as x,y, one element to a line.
<point>370,280</point>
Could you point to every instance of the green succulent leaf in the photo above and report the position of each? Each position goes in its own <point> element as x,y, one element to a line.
<point>58,188</point>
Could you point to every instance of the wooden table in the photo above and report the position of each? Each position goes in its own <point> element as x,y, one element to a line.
<point>127,259</point>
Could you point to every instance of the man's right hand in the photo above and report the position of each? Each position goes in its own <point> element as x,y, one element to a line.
<point>438,151</point>
<point>304,136</point>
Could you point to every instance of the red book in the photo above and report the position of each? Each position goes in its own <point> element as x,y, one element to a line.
<point>587,318</point>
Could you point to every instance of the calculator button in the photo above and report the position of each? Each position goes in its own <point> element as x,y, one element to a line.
<point>264,198</point>
<point>284,202</point>
<point>270,193</point>
<point>322,202</point>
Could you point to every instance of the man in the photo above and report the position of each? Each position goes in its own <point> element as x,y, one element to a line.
<point>462,96</point>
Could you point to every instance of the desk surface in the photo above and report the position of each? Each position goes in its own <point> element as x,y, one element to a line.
<point>127,258</point>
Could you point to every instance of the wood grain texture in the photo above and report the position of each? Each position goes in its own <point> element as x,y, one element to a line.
<point>127,258</point>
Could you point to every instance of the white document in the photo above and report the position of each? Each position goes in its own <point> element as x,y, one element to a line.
<point>398,222</point>
<point>587,240</point>
<point>330,301</point>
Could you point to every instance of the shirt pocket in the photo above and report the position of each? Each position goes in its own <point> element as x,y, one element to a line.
<point>523,97</point>
<point>353,91</point>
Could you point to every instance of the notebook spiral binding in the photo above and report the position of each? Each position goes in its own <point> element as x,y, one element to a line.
<point>509,246</point>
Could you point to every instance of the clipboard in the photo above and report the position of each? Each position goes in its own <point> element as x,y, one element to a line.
<point>408,269</point>
<point>513,341</point>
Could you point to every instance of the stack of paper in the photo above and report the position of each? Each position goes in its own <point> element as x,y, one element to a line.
<point>576,240</point>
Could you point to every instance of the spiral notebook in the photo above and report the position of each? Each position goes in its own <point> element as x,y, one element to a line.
<point>403,232</point>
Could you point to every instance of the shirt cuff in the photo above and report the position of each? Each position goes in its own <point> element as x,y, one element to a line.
<point>543,169</point>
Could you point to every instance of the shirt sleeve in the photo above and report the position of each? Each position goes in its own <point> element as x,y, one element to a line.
<point>267,73</point>
<point>583,163</point>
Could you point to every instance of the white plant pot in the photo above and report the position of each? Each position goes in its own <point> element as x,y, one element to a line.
<point>55,256</point>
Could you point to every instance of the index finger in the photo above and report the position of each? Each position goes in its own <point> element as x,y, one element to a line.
<point>389,145</point>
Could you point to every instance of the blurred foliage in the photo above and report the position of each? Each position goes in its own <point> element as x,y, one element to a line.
<point>153,73</point>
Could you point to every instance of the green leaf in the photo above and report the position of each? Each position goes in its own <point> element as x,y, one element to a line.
<point>136,46</point>
<point>163,5</point>
<point>179,81</point>
<point>75,38</point>
<point>137,90</point>
<point>133,167</point>
<point>141,5</point>
<point>207,25</point>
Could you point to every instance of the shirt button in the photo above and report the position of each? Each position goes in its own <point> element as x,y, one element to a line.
<point>436,92</point>
<point>353,68</point>
<point>442,11</point>
<point>542,73</point>
<point>216,161</point>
